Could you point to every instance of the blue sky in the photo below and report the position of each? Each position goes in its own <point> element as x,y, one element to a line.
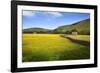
<point>50,20</point>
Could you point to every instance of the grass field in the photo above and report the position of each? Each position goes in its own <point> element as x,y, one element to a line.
<point>52,47</point>
<point>80,37</point>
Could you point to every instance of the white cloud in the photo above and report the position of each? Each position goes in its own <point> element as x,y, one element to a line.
<point>55,14</point>
<point>28,13</point>
<point>32,13</point>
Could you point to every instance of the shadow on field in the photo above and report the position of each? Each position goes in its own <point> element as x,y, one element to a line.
<point>75,54</point>
<point>81,42</point>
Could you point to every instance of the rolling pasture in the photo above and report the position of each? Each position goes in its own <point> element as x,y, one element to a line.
<point>80,37</point>
<point>53,47</point>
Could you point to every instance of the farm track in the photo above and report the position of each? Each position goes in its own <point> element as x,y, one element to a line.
<point>81,42</point>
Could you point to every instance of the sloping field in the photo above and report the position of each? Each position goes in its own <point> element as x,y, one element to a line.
<point>80,37</point>
<point>51,47</point>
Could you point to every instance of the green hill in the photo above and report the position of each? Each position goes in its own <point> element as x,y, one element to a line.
<point>37,30</point>
<point>82,27</point>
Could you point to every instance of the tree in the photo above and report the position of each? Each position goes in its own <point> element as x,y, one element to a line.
<point>74,30</point>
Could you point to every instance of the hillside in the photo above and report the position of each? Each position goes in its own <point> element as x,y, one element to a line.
<point>82,27</point>
<point>37,30</point>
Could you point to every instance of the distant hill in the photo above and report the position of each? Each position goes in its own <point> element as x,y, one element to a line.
<point>82,27</point>
<point>37,30</point>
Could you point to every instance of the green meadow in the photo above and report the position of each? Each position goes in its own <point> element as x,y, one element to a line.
<point>53,47</point>
<point>80,37</point>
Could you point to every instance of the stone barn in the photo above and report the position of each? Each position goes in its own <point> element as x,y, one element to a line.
<point>74,33</point>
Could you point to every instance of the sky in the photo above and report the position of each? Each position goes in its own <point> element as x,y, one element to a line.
<point>50,20</point>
